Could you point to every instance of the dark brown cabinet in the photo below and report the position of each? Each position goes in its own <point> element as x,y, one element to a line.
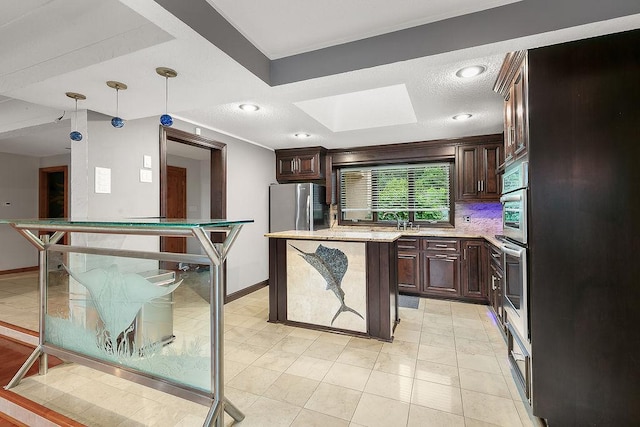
<point>441,274</point>
<point>477,176</point>
<point>494,281</point>
<point>408,265</point>
<point>473,270</point>
<point>300,164</point>
<point>512,84</point>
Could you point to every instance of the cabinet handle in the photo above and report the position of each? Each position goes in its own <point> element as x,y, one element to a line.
<point>478,186</point>
<point>465,254</point>
<point>495,255</point>
<point>406,257</point>
<point>493,282</point>
<point>482,185</point>
<point>440,256</point>
<point>440,245</point>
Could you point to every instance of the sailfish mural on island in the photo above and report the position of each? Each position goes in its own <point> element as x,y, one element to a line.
<point>332,265</point>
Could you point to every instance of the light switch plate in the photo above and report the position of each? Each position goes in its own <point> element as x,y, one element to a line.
<point>103,180</point>
<point>145,175</point>
<point>146,161</point>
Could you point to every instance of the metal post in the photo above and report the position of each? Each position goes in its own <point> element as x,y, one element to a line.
<point>43,281</point>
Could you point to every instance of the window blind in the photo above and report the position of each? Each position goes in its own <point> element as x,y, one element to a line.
<point>422,189</point>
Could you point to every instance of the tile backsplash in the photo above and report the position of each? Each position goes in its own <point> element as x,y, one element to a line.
<point>485,216</point>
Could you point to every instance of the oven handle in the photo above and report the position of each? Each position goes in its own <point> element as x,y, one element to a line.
<point>511,198</point>
<point>507,250</point>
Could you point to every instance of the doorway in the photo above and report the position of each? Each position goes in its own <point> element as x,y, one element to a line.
<point>53,192</point>
<point>176,205</point>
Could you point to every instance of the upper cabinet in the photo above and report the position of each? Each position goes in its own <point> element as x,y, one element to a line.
<point>512,85</point>
<point>305,164</point>
<point>476,167</point>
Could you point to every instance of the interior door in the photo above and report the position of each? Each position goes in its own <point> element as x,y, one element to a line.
<point>176,205</point>
<point>53,191</point>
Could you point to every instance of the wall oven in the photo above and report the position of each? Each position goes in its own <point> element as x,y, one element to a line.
<point>514,202</point>
<point>515,294</point>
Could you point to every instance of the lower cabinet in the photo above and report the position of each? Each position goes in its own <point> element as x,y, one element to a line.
<point>441,274</point>
<point>443,267</point>
<point>495,282</point>
<point>474,270</point>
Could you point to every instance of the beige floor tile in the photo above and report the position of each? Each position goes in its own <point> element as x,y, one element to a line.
<point>232,368</point>
<point>484,382</point>
<point>276,360</point>
<point>406,335</point>
<point>466,345</point>
<point>356,357</point>
<point>437,319</point>
<point>437,340</point>
<point>324,350</point>
<point>395,364</point>
<point>156,415</point>
<point>410,324</point>
<point>239,398</point>
<point>479,362</point>
<point>308,418</point>
<point>292,389</point>
<point>437,373</point>
<point>365,344</point>
<point>334,338</point>
<point>310,367</point>
<point>420,416</point>
<point>470,333</point>
<point>267,412</point>
<point>492,409</point>
<point>437,329</point>
<point>377,411</point>
<point>445,356</point>
<point>254,380</point>
<point>400,348</point>
<point>470,422</point>
<point>524,412</point>
<point>243,352</point>
<point>459,322</point>
<point>293,344</point>
<point>392,386</point>
<point>265,339</point>
<point>239,334</point>
<point>309,334</point>
<point>437,396</point>
<point>101,417</point>
<point>348,376</point>
<point>334,400</point>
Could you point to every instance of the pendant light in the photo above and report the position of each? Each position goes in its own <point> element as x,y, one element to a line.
<point>75,135</point>
<point>167,73</point>
<point>117,121</point>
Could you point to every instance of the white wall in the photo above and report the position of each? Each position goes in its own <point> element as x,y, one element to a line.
<point>250,170</point>
<point>52,161</point>
<point>19,188</point>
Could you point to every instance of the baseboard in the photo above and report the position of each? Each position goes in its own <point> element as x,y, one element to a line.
<point>21,335</point>
<point>19,270</point>
<point>246,291</point>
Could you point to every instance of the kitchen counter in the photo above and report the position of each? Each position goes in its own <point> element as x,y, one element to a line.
<point>385,234</point>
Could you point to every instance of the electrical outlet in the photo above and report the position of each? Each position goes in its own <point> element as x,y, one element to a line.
<point>466,218</point>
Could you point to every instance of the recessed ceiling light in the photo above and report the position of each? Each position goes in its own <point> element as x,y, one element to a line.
<point>302,135</point>
<point>248,107</point>
<point>471,71</point>
<point>465,116</point>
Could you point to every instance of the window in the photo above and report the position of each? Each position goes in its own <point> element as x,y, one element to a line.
<point>418,193</point>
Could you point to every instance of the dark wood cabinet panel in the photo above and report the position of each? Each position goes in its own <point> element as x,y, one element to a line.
<point>441,274</point>
<point>476,167</point>
<point>305,164</point>
<point>408,272</point>
<point>473,270</point>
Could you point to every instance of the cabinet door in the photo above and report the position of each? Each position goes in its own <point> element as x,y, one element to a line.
<point>468,172</point>
<point>286,166</point>
<point>491,185</point>
<point>519,114</point>
<point>509,133</point>
<point>474,260</point>
<point>308,164</point>
<point>408,272</point>
<point>441,274</point>
<point>495,290</point>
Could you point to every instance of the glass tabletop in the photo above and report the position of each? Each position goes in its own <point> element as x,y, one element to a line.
<point>142,222</point>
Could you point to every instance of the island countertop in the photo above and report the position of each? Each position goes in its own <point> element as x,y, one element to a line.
<point>338,234</point>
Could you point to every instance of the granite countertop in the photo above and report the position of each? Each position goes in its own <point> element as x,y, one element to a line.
<point>366,234</point>
<point>339,234</point>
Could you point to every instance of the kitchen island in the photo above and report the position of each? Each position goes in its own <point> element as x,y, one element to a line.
<point>343,281</point>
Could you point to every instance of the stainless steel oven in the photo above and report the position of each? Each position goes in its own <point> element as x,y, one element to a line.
<point>514,202</point>
<point>515,292</point>
<point>520,361</point>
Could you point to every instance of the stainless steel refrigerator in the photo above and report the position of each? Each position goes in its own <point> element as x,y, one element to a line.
<point>297,207</point>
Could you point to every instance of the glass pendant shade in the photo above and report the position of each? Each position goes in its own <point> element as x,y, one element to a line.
<point>117,121</point>
<point>167,73</point>
<point>75,135</point>
<point>166,120</point>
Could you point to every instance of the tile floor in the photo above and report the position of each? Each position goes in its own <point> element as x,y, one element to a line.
<point>446,367</point>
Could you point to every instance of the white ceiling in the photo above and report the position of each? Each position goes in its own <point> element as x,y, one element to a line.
<point>49,47</point>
